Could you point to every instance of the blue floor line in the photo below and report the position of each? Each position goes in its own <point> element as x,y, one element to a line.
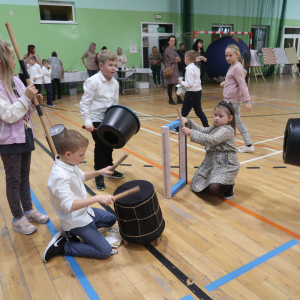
<point>86,285</point>
<point>188,297</point>
<point>232,275</point>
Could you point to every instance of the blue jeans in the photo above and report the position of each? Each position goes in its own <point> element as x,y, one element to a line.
<point>94,245</point>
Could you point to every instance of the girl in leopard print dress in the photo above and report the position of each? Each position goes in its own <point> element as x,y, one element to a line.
<point>220,165</point>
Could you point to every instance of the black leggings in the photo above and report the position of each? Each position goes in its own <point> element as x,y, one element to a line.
<point>17,168</point>
<point>219,189</point>
<point>170,88</point>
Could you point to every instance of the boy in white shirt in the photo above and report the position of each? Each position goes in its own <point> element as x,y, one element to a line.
<point>35,73</point>
<point>46,70</point>
<point>192,84</point>
<point>100,92</point>
<point>71,204</point>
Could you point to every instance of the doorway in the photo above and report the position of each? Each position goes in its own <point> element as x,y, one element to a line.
<point>154,34</point>
<point>291,38</point>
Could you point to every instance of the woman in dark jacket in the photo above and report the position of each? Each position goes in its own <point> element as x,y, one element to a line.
<point>201,57</point>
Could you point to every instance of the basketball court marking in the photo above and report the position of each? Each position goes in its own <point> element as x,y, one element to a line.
<point>251,265</point>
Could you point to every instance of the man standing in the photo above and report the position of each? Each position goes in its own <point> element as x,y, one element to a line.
<point>181,64</point>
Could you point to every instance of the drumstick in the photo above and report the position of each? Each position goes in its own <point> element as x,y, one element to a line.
<point>83,126</point>
<point>118,162</point>
<point>35,101</point>
<point>128,192</point>
<point>180,117</point>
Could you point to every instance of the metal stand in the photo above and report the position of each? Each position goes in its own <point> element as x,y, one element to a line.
<point>123,81</point>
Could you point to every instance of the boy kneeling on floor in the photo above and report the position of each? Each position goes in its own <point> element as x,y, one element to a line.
<point>71,204</point>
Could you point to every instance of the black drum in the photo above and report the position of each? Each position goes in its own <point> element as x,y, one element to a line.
<point>56,132</point>
<point>291,143</point>
<point>139,214</point>
<point>118,126</point>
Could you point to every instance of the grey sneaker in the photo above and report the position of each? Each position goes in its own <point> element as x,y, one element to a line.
<point>24,226</point>
<point>115,174</point>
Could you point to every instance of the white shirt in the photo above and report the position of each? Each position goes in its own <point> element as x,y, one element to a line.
<point>99,94</point>
<point>65,185</point>
<point>35,71</point>
<point>47,75</point>
<point>192,81</point>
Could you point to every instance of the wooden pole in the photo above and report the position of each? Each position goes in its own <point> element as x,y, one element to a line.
<point>127,193</point>
<point>35,101</point>
<point>180,117</point>
<point>119,162</point>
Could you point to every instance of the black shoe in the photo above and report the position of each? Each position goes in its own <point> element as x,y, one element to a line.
<point>58,98</point>
<point>179,101</point>
<point>100,186</point>
<point>172,102</point>
<point>115,174</point>
<point>68,236</point>
<point>229,194</point>
<point>55,247</point>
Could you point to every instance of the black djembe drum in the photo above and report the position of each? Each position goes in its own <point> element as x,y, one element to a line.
<point>139,215</point>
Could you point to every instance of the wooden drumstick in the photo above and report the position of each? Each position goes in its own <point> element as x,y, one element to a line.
<point>35,101</point>
<point>180,117</point>
<point>119,162</point>
<point>128,192</point>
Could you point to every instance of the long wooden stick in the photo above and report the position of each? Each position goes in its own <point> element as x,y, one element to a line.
<point>127,193</point>
<point>35,101</point>
<point>119,162</point>
<point>180,117</point>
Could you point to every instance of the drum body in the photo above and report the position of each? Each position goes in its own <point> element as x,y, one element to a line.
<point>56,132</point>
<point>118,126</point>
<point>291,143</point>
<point>139,215</point>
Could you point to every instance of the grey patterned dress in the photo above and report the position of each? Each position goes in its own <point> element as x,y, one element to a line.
<point>220,164</point>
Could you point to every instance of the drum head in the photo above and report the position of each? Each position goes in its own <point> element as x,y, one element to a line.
<point>57,129</point>
<point>146,191</point>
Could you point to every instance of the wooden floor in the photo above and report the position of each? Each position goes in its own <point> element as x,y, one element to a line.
<point>205,238</point>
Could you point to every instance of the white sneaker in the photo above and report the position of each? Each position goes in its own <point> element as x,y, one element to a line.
<point>155,86</point>
<point>246,149</point>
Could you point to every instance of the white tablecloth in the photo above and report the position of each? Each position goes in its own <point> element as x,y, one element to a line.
<point>80,76</point>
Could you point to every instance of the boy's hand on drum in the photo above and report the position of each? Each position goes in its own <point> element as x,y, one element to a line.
<point>30,91</point>
<point>106,199</point>
<point>248,107</point>
<point>40,98</point>
<point>89,127</point>
<point>186,131</point>
<point>106,171</point>
<point>222,84</point>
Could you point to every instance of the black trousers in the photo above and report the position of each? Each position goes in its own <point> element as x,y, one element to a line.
<point>181,69</point>
<point>22,77</point>
<point>48,88</point>
<point>102,153</point>
<point>56,84</point>
<point>193,100</point>
<point>38,87</point>
<point>91,72</point>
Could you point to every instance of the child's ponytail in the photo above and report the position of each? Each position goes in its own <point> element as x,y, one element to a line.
<point>7,72</point>
<point>236,49</point>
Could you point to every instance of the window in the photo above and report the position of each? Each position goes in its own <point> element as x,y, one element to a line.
<point>58,12</point>
<point>220,27</point>
<point>259,37</point>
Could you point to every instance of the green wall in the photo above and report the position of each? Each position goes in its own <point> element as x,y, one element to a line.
<point>110,28</point>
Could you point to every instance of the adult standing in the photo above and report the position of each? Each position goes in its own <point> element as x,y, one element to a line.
<point>30,52</point>
<point>90,56</point>
<point>155,60</point>
<point>56,75</point>
<point>181,65</point>
<point>201,57</point>
<point>122,60</point>
<point>171,60</point>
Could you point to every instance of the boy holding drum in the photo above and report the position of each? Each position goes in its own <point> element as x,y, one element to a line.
<point>100,92</point>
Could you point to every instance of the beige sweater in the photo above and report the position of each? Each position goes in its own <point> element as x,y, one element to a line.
<point>90,60</point>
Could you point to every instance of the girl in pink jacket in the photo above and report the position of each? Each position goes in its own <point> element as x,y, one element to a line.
<point>235,90</point>
<point>17,142</point>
